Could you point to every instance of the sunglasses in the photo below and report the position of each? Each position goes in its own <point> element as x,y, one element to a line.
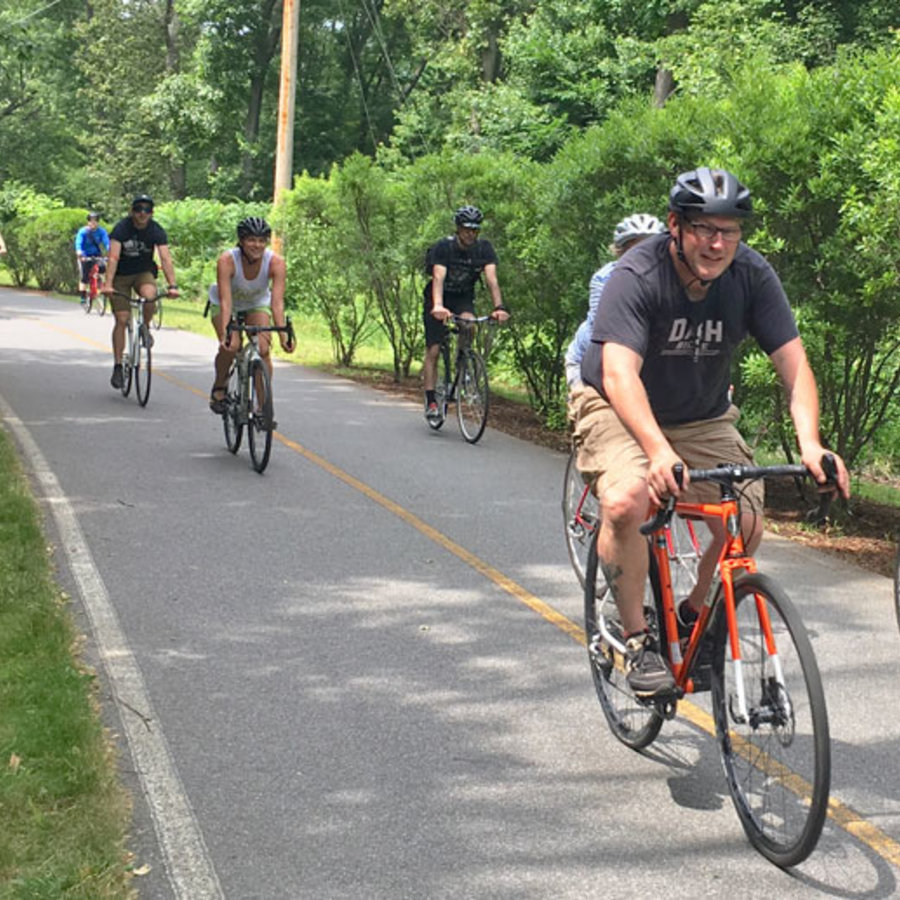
<point>142,209</point>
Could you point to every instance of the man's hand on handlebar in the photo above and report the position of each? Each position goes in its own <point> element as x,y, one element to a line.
<point>828,476</point>
<point>500,314</point>
<point>661,481</point>
<point>441,313</point>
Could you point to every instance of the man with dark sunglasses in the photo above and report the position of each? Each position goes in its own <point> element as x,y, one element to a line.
<point>131,267</point>
<point>658,376</point>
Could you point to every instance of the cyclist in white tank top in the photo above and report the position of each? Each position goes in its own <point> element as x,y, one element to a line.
<point>250,280</point>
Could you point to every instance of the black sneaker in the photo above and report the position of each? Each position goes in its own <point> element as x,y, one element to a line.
<point>647,672</point>
<point>118,379</point>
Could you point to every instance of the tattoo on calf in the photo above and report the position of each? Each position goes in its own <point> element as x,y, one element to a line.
<point>611,573</point>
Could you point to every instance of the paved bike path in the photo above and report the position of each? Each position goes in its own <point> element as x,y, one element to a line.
<point>351,706</point>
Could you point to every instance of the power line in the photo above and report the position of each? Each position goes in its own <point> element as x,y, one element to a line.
<point>37,12</point>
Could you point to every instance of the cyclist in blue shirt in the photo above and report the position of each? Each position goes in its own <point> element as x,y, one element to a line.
<point>91,241</point>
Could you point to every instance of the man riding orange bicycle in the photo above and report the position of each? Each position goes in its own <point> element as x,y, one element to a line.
<point>657,376</point>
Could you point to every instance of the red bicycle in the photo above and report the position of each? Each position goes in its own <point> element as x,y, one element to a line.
<point>94,296</point>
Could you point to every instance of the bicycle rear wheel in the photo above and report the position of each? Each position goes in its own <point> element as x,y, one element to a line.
<point>128,359</point>
<point>259,428</point>
<point>472,395</point>
<point>143,365</point>
<point>634,723</point>
<point>581,517</point>
<point>776,752</point>
<point>232,418</point>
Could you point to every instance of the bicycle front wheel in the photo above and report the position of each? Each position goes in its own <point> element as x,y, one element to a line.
<point>143,365</point>
<point>634,723</point>
<point>158,315</point>
<point>472,396</point>
<point>771,722</point>
<point>100,302</point>
<point>259,428</point>
<point>128,360</point>
<point>232,418</point>
<point>581,517</point>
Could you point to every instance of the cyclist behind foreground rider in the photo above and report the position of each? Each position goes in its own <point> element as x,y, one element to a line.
<point>250,279</point>
<point>131,267</point>
<point>91,241</point>
<point>630,231</point>
<point>456,264</point>
<point>657,377</point>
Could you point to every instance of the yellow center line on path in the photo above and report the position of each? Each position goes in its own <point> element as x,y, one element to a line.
<point>854,824</point>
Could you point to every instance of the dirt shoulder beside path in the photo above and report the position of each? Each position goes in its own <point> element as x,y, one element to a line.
<point>866,535</point>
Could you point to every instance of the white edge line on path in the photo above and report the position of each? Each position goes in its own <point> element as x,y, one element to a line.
<point>189,866</point>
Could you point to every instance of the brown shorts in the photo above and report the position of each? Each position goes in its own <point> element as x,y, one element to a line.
<point>124,285</point>
<point>607,449</point>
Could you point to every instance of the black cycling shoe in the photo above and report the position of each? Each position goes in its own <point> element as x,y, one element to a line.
<point>647,673</point>
<point>118,377</point>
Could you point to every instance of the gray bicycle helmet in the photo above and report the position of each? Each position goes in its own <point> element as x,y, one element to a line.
<point>141,200</point>
<point>254,226</point>
<point>93,215</point>
<point>639,225</point>
<point>713,192</point>
<point>468,217</point>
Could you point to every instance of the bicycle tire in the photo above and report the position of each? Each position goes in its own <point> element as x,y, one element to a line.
<point>897,585</point>
<point>472,395</point>
<point>158,315</point>
<point>442,388</point>
<point>778,762</point>
<point>581,517</point>
<point>260,424</point>
<point>634,723</point>
<point>127,360</point>
<point>101,302</point>
<point>232,418</point>
<point>143,370</point>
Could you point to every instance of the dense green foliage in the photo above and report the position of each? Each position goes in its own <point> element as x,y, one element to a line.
<point>555,116</point>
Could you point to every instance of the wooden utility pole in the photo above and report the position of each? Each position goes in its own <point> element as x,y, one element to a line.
<point>284,154</point>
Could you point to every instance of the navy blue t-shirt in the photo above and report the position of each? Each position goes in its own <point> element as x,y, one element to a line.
<point>464,266</point>
<point>687,346</point>
<point>138,246</point>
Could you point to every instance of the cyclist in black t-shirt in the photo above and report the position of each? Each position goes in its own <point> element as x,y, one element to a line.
<point>456,263</point>
<point>131,267</point>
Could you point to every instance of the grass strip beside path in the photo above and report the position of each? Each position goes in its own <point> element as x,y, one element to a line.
<point>63,815</point>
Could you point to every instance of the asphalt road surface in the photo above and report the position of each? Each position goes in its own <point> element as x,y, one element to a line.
<point>359,675</point>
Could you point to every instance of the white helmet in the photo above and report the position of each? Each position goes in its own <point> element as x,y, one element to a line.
<point>640,225</point>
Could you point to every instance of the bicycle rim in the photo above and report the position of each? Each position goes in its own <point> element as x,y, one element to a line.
<point>634,723</point>
<point>143,368</point>
<point>897,587</point>
<point>127,361</point>
<point>259,428</point>
<point>472,396</point>
<point>231,418</point>
<point>581,517</point>
<point>777,758</point>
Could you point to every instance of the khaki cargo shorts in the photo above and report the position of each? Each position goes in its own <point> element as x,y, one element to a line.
<point>607,450</point>
<point>124,285</point>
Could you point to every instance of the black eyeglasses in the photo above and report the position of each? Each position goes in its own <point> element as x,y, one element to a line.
<point>142,209</point>
<point>708,232</point>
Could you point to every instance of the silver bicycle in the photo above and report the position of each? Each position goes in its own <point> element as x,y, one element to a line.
<point>248,394</point>
<point>137,358</point>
